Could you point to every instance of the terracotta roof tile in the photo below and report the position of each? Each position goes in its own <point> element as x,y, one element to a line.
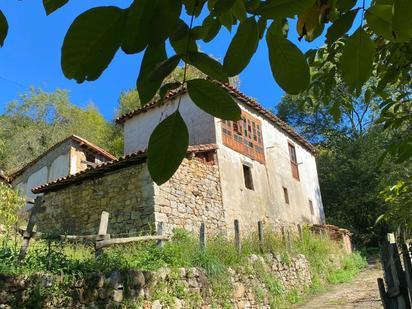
<point>241,97</point>
<point>128,160</point>
<point>82,142</point>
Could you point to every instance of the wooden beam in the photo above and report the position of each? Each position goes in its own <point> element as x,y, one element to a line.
<point>118,241</point>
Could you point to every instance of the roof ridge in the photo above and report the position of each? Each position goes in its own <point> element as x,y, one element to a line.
<point>240,96</point>
<point>77,138</point>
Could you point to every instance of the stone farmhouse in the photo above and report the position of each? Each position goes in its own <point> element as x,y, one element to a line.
<point>256,169</point>
<point>68,157</point>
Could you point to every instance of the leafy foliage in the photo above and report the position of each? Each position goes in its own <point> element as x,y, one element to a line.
<point>52,5</point>
<point>10,204</point>
<point>380,49</point>
<point>398,198</point>
<point>167,147</point>
<point>213,99</point>
<point>351,164</point>
<point>4,28</point>
<point>38,120</point>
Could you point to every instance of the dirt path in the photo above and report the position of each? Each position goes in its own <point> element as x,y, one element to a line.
<point>361,293</point>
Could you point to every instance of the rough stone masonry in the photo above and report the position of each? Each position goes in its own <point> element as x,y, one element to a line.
<point>135,203</point>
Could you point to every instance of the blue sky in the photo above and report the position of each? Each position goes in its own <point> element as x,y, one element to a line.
<point>31,57</point>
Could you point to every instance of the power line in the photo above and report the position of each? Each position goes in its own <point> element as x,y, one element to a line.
<point>14,82</point>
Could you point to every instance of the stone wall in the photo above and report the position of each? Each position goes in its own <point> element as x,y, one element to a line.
<point>165,288</point>
<point>192,196</point>
<point>135,203</point>
<point>127,194</point>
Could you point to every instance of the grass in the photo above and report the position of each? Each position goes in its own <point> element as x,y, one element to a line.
<point>327,262</point>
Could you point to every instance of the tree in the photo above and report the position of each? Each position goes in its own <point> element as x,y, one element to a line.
<point>11,203</point>
<point>38,120</point>
<point>352,166</point>
<point>95,36</point>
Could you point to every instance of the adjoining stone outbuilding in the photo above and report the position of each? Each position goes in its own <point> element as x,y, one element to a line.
<point>125,189</point>
<point>68,157</point>
<point>256,169</point>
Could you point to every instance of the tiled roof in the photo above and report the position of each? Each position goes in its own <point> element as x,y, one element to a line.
<point>81,141</point>
<point>237,95</point>
<point>103,168</point>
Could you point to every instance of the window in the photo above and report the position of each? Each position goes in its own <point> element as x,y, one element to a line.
<point>247,174</point>
<point>245,136</point>
<point>312,211</point>
<point>286,195</point>
<point>293,161</point>
<point>90,157</point>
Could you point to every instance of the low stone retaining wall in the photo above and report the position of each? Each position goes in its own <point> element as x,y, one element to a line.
<point>165,288</point>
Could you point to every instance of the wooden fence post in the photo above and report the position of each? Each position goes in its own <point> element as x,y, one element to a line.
<point>102,234</point>
<point>160,243</point>
<point>260,234</point>
<point>395,259</point>
<point>282,230</point>
<point>408,266</point>
<point>382,293</point>
<point>202,236</point>
<point>104,223</point>
<point>237,236</point>
<point>289,241</point>
<point>300,232</point>
<point>30,226</point>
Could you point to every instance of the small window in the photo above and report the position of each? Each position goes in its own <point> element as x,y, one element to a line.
<point>90,157</point>
<point>247,174</point>
<point>286,195</point>
<point>292,153</point>
<point>293,161</point>
<point>312,211</point>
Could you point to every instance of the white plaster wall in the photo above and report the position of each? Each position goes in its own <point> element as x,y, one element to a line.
<point>137,130</point>
<point>37,178</point>
<point>59,167</point>
<point>267,202</point>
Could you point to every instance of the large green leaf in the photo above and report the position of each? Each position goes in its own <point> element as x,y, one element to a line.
<point>402,20</point>
<point>91,42</point>
<point>239,10</point>
<point>167,148</point>
<point>275,9</point>
<point>379,19</point>
<point>223,6</point>
<point>345,5</point>
<point>52,5</point>
<point>165,68</point>
<point>340,26</point>
<point>357,59</point>
<point>288,64</point>
<point>211,98</point>
<point>4,28</point>
<point>208,65</point>
<point>147,88</point>
<point>150,22</point>
<point>242,47</point>
<point>210,28</point>
<point>137,34</point>
<point>182,40</point>
<point>194,7</point>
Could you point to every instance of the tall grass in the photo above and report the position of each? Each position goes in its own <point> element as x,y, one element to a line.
<point>324,256</point>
